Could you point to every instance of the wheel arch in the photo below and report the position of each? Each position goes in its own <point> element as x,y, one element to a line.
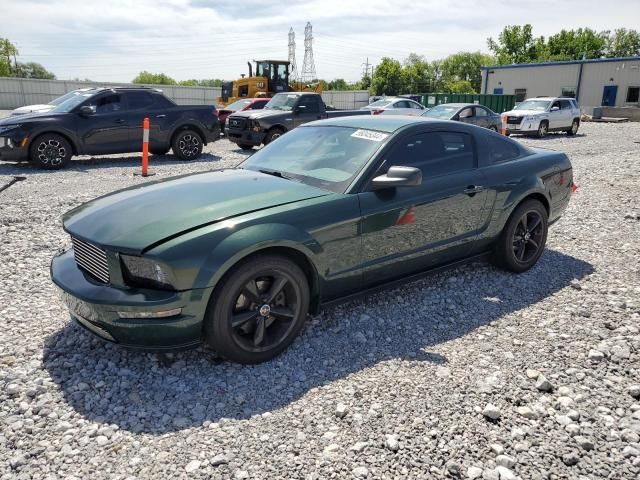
<point>66,136</point>
<point>188,126</point>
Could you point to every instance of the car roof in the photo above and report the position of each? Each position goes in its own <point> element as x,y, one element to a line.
<point>383,123</point>
<point>460,105</point>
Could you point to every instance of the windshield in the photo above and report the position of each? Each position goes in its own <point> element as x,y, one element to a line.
<point>59,100</point>
<point>73,101</point>
<point>239,105</point>
<point>282,102</point>
<point>441,111</point>
<point>324,157</point>
<point>539,105</point>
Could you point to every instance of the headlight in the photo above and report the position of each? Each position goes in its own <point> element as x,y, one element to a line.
<point>255,125</point>
<point>226,122</point>
<point>143,272</point>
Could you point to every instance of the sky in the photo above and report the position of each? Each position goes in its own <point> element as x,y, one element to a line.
<point>113,40</point>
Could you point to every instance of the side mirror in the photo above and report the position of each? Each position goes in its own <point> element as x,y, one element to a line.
<point>555,109</point>
<point>87,110</point>
<point>300,109</point>
<point>398,177</point>
<point>456,117</point>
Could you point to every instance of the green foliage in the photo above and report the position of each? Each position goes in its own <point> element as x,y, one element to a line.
<point>34,70</point>
<point>516,44</point>
<point>465,67</point>
<point>213,82</point>
<point>577,44</point>
<point>388,78</point>
<point>154,78</point>
<point>459,86</point>
<point>8,51</point>
<point>623,43</point>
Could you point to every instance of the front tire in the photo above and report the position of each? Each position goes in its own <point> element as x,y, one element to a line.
<point>187,145</point>
<point>245,146</point>
<point>523,238</point>
<point>543,129</point>
<point>273,134</point>
<point>574,127</point>
<point>257,309</point>
<point>50,151</point>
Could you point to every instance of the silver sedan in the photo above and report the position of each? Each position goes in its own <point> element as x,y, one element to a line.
<point>395,106</point>
<point>467,113</point>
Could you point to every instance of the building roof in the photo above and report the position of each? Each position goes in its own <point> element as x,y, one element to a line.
<point>564,62</point>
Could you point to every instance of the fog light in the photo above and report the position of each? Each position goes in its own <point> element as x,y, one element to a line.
<point>163,314</point>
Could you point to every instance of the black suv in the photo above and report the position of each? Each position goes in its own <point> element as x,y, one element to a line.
<point>105,121</point>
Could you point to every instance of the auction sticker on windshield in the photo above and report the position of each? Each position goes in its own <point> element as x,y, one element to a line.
<point>370,135</point>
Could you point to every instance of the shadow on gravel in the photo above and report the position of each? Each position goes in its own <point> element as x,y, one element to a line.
<point>157,394</point>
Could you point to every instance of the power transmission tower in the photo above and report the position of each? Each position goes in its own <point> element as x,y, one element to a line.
<point>293,74</point>
<point>365,73</point>
<point>308,66</point>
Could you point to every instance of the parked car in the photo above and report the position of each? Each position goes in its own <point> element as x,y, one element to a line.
<point>467,113</point>
<point>240,106</point>
<point>395,106</point>
<point>104,121</point>
<point>47,106</point>
<point>541,115</point>
<point>333,209</point>
<point>284,112</point>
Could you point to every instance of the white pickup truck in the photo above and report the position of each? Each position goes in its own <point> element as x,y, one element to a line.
<point>541,115</point>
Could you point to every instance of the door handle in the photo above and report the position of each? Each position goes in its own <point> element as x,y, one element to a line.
<point>120,120</point>
<point>473,189</point>
<point>162,115</point>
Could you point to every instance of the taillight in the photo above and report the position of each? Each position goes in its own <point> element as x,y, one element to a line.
<point>377,112</point>
<point>574,187</point>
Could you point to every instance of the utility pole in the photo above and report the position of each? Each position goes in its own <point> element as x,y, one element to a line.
<point>366,68</point>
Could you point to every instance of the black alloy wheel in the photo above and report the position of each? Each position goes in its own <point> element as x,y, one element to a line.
<point>50,151</point>
<point>523,238</point>
<point>258,309</point>
<point>187,145</point>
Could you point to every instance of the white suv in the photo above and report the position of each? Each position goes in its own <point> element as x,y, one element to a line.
<point>542,115</point>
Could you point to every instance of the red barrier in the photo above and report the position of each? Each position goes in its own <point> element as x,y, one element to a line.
<point>145,146</point>
<point>504,125</point>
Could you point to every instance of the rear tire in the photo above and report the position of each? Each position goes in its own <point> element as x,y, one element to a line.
<point>187,145</point>
<point>273,134</point>
<point>50,151</point>
<point>257,309</point>
<point>543,129</point>
<point>523,238</point>
<point>574,127</point>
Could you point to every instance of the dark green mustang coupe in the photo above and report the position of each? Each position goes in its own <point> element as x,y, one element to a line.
<point>238,257</point>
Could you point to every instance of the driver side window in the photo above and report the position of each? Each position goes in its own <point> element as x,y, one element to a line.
<point>435,153</point>
<point>106,104</point>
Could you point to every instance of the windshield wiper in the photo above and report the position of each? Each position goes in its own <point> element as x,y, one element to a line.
<point>275,173</point>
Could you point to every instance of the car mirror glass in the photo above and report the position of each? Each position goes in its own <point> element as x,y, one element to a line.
<point>555,109</point>
<point>398,176</point>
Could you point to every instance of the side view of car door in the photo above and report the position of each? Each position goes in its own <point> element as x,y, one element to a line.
<point>307,110</point>
<point>158,110</point>
<point>106,130</point>
<point>408,229</point>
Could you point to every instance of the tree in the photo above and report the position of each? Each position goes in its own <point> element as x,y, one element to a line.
<point>623,43</point>
<point>338,84</point>
<point>154,78</point>
<point>388,78</point>
<point>465,67</point>
<point>34,70</point>
<point>213,82</point>
<point>516,44</point>
<point>417,74</point>
<point>459,86</point>
<point>7,51</point>
<point>577,44</point>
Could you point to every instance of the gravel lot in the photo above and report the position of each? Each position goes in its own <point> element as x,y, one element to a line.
<point>473,373</point>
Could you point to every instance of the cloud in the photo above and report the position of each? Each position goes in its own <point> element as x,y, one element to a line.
<point>113,41</point>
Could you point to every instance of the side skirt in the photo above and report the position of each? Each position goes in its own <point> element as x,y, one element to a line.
<point>482,257</point>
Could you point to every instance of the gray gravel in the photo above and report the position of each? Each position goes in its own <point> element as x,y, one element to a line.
<point>473,373</point>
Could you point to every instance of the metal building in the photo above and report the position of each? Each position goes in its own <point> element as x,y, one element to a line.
<point>611,82</point>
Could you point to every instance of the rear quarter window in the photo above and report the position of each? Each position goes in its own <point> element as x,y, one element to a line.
<point>502,149</point>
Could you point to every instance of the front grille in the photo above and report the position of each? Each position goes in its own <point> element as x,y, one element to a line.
<point>236,123</point>
<point>91,259</point>
<point>515,120</point>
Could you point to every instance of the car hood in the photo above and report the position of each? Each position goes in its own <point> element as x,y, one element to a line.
<point>32,109</point>
<point>28,118</point>
<point>138,217</point>
<point>523,113</point>
<point>260,114</point>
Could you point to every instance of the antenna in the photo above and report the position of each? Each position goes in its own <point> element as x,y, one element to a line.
<point>308,67</point>
<point>293,74</point>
